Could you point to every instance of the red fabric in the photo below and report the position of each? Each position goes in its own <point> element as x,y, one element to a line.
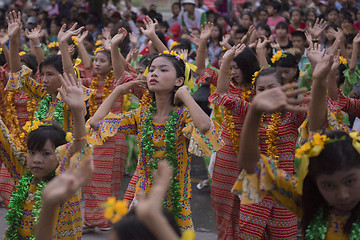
<point>292,29</point>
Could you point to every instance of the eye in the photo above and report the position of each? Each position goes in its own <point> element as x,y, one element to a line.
<point>164,70</point>
<point>350,181</point>
<point>327,186</point>
<point>151,70</point>
<point>31,152</point>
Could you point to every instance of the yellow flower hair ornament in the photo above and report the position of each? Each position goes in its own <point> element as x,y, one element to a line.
<point>53,45</point>
<point>1,50</point>
<point>75,40</point>
<point>343,60</point>
<point>98,49</point>
<point>277,56</point>
<point>115,209</point>
<point>22,53</point>
<point>254,76</point>
<point>174,44</point>
<point>313,148</point>
<point>98,43</point>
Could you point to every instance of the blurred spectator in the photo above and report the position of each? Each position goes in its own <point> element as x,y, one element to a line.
<point>192,17</point>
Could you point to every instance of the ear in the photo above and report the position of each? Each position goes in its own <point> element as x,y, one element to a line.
<point>179,82</point>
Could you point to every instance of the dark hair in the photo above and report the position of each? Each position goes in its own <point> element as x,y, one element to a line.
<point>265,27</point>
<point>331,9</point>
<point>219,38</point>
<point>129,227</point>
<point>38,137</point>
<point>52,60</point>
<point>249,14</point>
<point>2,59</point>
<point>296,10</point>
<point>276,5</point>
<point>183,43</point>
<point>270,71</point>
<point>106,53</point>
<point>341,70</point>
<point>241,30</point>
<point>179,66</point>
<point>161,36</point>
<point>298,34</point>
<point>282,25</point>
<point>248,64</point>
<point>146,59</point>
<point>176,3</point>
<point>30,61</point>
<point>289,61</point>
<point>336,156</point>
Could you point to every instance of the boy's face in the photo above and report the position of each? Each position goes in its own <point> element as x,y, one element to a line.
<point>281,32</point>
<point>175,10</point>
<point>50,79</point>
<point>238,37</point>
<point>340,189</point>
<point>189,7</point>
<point>42,163</point>
<point>298,42</point>
<point>332,17</point>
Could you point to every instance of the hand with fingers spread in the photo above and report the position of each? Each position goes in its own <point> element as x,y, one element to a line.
<point>133,38</point>
<point>14,24</point>
<point>323,67</point>
<point>206,30</point>
<point>339,34</point>
<point>262,43</point>
<point>279,99</point>
<point>194,39</point>
<point>81,37</point>
<point>64,36</point>
<point>62,187</point>
<point>185,53</point>
<point>247,35</point>
<point>314,53</point>
<point>132,55</point>
<point>34,34</point>
<point>318,28</point>
<point>336,63</point>
<point>225,40</point>
<point>150,25</point>
<point>234,52</point>
<point>72,92</point>
<point>106,33</point>
<point>357,38</point>
<point>119,37</point>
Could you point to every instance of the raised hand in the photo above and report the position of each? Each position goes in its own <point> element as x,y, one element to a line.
<point>275,46</point>
<point>71,49</point>
<point>14,24</point>
<point>234,52</point>
<point>81,37</point>
<point>357,38</point>
<point>133,38</point>
<point>339,34</point>
<point>314,53</point>
<point>323,67</point>
<point>63,35</point>
<point>132,55</point>
<point>194,39</point>
<point>34,34</point>
<point>4,39</point>
<point>72,92</point>
<point>279,99</point>
<point>180,94</point>
<point>206,30</point>
<point>119,37</point>
<point>149,27</point>
<point>318,28</point>
<point>126,87</point>
<point>106,33</point>
<point>336,63</point>
<point>248,34</point>
<point>185,53</point>
<point>225,39</point>
<point>62,187</point>
<point>261,43</point>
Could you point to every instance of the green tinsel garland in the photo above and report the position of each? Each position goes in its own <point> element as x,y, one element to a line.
<point>16,209</point>
<point>43,108</point>
<point>318,228</point>
<point>170,154</point>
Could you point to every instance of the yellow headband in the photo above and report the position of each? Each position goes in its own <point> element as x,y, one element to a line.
<point>313,148</point>
<point>188,81</point>
<point>277,56</point>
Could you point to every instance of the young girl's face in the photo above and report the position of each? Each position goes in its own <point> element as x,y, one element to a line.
<point>50,79</point>
<point>42,163</point>
<point>287,73</point>
<point>215,33</point>
<point>140,72</point>
<point>328,35</point>
<point>281,32</point>
<point>332,17</point>
<point>102,64</point>
<point>162,76</point>
<point>263,16</point>
<point>266,82</point>
<point>296,17</point>
<point>246,21</point>
<point>236,74</point>
<point>340,189</point>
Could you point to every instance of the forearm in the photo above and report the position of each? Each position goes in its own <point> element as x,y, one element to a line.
<point>117,62</point>
<point>38,50</point>
<point>157,43</point>
<point>15,63</point>
<point>249,153</point>
<point>200,119</point>
<point>66,59</point>
<point>343,50</point>
<point>201,56</point>
<point>45,227</point>
<point>333,89</point>
<point>318,105</point>
<point>354,58</point>
<point>84,56</point>
<point>160,227</point>
<point>223,83</point>
<point>79,130</point>
<point>261,54</point>
<point>105,107</point>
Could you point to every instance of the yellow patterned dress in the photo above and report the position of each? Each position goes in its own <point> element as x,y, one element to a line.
<point>69,218</point>
<point>199,144</point>
<point>281,185</point>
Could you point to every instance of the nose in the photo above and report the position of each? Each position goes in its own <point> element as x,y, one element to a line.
<point>343,193</point>
<point>37,157</point>
<point>44,79</point>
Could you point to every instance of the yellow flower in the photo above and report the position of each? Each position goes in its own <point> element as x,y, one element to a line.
<point>116,218</point>
<point>98,43</point>
<point>22,53</point>
<point>319,139</point>
<point>121,207</point>
<point>69,137</point>
<point>276,56</point>
<point>223,48</point>
<point>27,126</point>
<point>174,44</point>
<point>166,52</point>
<point>1,50</point>
<point>74,40</point>
<point>111,201</point>
<point>109,213</point>
<point>342,60</point>
<point>304,148</point>
<point>97,49</point>
<point>316,150</point>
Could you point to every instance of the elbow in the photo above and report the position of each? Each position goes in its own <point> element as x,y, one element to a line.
<point>94,123</point>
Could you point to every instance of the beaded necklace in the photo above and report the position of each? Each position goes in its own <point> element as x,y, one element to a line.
<point>16,209</point>
<point>106,91</point>
<point>170,154</point>
<point>43,109</point>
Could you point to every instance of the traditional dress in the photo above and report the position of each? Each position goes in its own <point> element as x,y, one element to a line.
<point>69,217</point>
<point>109,162</point>
<point>200,144</point>
<point>270,180</point>
<point>226,168</point>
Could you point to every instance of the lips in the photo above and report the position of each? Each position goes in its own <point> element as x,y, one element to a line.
<point>153,81</point>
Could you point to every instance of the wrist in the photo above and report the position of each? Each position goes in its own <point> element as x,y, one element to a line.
<point>254,110</point>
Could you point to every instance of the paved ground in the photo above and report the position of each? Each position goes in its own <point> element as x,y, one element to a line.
<point>203,216</point>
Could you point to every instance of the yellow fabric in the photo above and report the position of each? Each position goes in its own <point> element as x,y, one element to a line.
<point>199,144</point>
<point>69,218</point>
<point>23,80</point>
<point>282,187</point>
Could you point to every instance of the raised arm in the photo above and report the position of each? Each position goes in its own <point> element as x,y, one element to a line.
<point>149,32</point>
<point>202,49</point>
<point>223,83</point>
<point>261,52</point>
<point>318,103</point>
<point>116,57</point>
<point>270,101</point>
<point>82,50</point>
<point>72,94</point>
<point>14,27</point>
<point>200,119</point>
<point>333,89</point>
<point>63,37</point>
<point>34,36</point>
<point>354,54</point>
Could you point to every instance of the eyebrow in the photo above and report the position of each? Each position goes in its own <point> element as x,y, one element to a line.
<point>164,65</point>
